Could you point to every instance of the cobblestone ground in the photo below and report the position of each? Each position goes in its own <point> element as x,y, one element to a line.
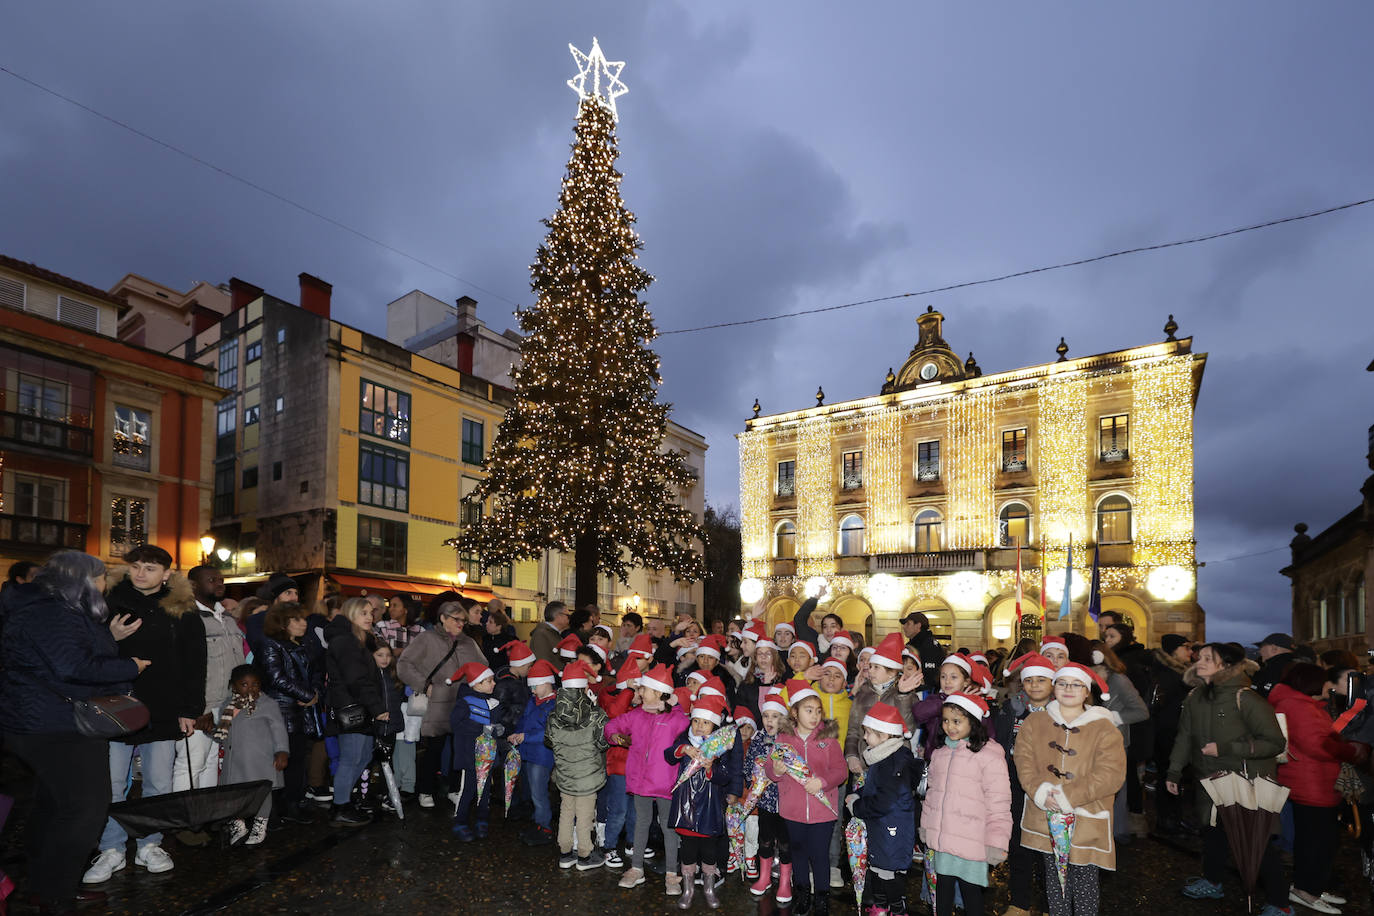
<point>417,868</point>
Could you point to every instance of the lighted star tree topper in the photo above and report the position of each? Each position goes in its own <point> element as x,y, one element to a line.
<point>579,462</point>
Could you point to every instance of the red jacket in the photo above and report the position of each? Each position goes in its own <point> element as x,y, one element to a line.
<point>824,754</point>
<point>616,703</point>
<point>1315,752</point>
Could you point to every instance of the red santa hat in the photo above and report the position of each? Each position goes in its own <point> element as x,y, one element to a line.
<point>604,631</point>
<point>518,653</point>
<point>842,638</point>
<point>1073,671</point>
<point>766,643</point>
<point>599,650</point>
<point>684,697</point>
<point>699,676</point>
<point>785,626</point>
<point>908,652</point>
<point>772,702</point>
<point>885,719</point>
<point>684,650</point>
<point>974,706</point>
<point>743,717</point>
<point>710,708</point>
<point>569,645</point>
<point>1032,664</point>
<point>542,673</point>
<point>712,645</point>
<point>798,690</point>
<point>754,631</point>
<point>472,672</point>
<point>627,675</point>
<point>642,645</point>
<point>803,644</point>
<point>713,686</point>
<point>658,678</point>
<point>576,674</point>
<point>980,675</point>
<point>1054,642</point>
<point>837,665</point>
<point>979,657</point>
<point>959,661</point>
<point>866,651</point>
<point>889,652</point>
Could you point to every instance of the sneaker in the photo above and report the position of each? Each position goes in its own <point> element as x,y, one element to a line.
<point>1334,899</point>
<point>1202,889</point>
<point>567,860</point>
<point>258,833</point>
<point>918,857</point>
<point>1316,904</point>
<point>537,836</point>
<point>102,866</point>
<point>633,877</point>
<point>347,816</point>
<point>594,860</point>
<point>673,885</point>
<point>649,852</point>
<point>154,858</point>
<point>613,859</point>
<point>322,794</point>
<point>836,878</point>
<point>237,832</point>
<point>425,800</point>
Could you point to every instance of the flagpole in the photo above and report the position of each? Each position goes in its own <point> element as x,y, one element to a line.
<point>1018,592</point>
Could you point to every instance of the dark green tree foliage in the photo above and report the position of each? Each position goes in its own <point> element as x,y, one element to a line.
<point>724,563</point>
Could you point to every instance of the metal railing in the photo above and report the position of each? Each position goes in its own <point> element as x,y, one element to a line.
<point>27,532</point>
<point>53,434</point>
<point>935,561</point>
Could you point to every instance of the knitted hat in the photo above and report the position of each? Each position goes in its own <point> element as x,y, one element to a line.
<point>713,687</point>
<point>772,702</point>
<point>886,719</point>
<point>541,673</point>
<point>712,645</point>
<point>743,717</point>
<point>576,674</point>
<point>1032,664</point>
<point>568,646</point>
<point>803,644</point>
<point>889,652</point>
<point>842,638</point>
<point>974,706</point>
<point>518,653</point>
<point>642,645</point>
<point>1170,642</point>
<point>658,678</point>
<point>798,690</point>
<point>473,673</point>
<point>959,661</point>
<point>710,708</point>
<point>1084,675</point>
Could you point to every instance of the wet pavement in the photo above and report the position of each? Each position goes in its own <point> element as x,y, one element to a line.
<point>416,867</point>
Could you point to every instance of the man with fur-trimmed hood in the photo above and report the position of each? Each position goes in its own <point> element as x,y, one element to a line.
<point>153,615</point>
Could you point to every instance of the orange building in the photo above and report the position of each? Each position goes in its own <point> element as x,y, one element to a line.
<point>104,445</point>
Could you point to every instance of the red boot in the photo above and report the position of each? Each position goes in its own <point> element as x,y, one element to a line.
<point>784,894</point>
<point>760,887</point>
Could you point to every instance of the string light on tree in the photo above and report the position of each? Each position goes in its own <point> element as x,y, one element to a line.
<point>596,66</point>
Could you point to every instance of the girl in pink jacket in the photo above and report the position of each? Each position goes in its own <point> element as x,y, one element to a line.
<point>648,731</point>
<point>810,821</point>
<point>966,819</point>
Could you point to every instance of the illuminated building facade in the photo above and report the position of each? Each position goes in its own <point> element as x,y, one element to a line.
<point>917,498</point>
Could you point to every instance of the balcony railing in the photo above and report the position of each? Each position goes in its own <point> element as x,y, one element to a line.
<point>928,472</point>
<point>853,481</point>
<point>51,434</point>
<point>29,534</point>
<point>934,562</point>
<point>1115,454</point>
<point>786,489</point>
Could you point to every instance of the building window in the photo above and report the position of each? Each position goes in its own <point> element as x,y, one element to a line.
<point>280,404</point>
<point>229,364</point>
<point>1114,520</point>
<point>226,417</point>
<point>224,490</point>
<point>501,575</point>
<point>469,564</point>
<point>1014,525</point>
<point>928,460</point>
<point>787,478</point>
<point>472,441</point>
<point>1114,438</point>
<point>853,465</point>
<point>383,477</point>
<point>43,398</point>
<point>852,536</point>
<point>1014,450</point>
<point>1359,605</point>
<point>469,512</point>
<point>381,544</point>
<point>384,413</point>
<point>276,470</point>
<point>928,536</point>
<point>128,524</point>
<point>132,438</point>
<point>785,541</point>
<point>40,497</point>
<point>250,415</point>
<point>281,336</point>
<point>250,477</point>
<point>253,353</point>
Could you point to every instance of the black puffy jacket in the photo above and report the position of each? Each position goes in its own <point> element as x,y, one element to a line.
<point>352,671</point>
<point>172,637</point>
<point>286,678</point>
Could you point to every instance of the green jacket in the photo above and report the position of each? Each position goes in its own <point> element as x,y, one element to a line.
<point>576,734</point>
<point>1238,719</point>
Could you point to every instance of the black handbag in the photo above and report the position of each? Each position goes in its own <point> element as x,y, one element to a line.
<point>350,717</point>
<point>108,717</point>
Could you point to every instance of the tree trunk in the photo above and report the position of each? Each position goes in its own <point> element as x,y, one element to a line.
<point>588,571</point>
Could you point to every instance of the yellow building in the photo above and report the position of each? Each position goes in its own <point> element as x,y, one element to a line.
<point>916,498</point>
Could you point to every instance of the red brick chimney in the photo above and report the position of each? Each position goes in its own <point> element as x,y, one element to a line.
<point>241,292</point>
<point>315,295</point>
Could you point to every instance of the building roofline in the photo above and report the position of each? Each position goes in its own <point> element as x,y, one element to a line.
<point>1329,539</point>
<point>57,279</point>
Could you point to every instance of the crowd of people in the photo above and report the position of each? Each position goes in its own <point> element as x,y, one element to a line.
<point>672,747</point>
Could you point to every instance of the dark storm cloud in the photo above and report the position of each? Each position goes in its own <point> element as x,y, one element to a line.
<point>779,157</point>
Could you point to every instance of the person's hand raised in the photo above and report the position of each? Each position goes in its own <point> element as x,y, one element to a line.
<point>124,625</point>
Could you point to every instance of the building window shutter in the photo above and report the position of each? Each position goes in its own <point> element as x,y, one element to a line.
<point>78,314</point>
<point>11,293</point>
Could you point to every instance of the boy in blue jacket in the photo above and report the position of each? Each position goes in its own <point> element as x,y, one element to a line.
<point>475,713</point>
<point>536,760</point>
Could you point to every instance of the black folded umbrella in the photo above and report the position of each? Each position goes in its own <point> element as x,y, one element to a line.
<point>192,809</point>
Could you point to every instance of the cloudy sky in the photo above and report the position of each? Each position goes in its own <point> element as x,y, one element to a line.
<point>780,156</point>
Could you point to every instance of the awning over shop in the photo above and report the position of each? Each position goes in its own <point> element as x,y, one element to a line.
<point>372,584</point>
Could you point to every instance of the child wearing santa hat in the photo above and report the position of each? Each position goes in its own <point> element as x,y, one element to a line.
<point>772,829</point>
<point>536,760</point>
<point>886,802</point>
<point>886,683</point>
<point>575,732</point>
<point>613,813</point>
<point>475,713</point>
<point>956,677</point>
<point>1071,759</point>
<point>513,692</point>
<point>833,692</point>
<point>966,816</point>
<point>697,813</point>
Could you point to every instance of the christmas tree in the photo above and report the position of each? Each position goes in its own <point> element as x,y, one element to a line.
<point>578,463</point>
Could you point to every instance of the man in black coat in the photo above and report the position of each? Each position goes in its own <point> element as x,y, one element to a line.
<point>1169,664</point>
<point>916,629</point>
<point>1276,654</point>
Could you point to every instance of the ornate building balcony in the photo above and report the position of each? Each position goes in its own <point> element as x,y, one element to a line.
<point>938,561</point>
<point>40,432</point>
<point>28,535</point>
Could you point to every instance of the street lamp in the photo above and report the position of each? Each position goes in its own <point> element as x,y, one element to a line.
<point>462,580</point>
<point>207,546</point>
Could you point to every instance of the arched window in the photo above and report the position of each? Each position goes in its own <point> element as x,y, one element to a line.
<point>1114,520</point>
<point>851,536</point>
<point>785,541</point>
<point>928,533</point>
<point>1014,525</point>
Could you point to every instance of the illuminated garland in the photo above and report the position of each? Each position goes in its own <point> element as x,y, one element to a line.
<point>816,537</point>
<point>1162,453</point>
<point>970,464</point>
<point>755,499</point>
<point>887,530</point>
<point>1063,468</point>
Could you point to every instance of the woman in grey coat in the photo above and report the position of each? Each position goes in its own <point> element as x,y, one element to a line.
<point>424,666</point>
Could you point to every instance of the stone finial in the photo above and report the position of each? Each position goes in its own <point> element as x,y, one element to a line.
<point>820,396</point>
<point>757,408</point>
<point>971,366</point>
<point>1062,350</point>
<point>891,379</point>
<point>1170,329</point>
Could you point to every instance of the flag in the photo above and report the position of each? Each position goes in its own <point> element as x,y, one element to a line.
<point>1018,583</point>
<point>1066,602</point>
<point>1044,605</point>
<point>1095,589</point>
